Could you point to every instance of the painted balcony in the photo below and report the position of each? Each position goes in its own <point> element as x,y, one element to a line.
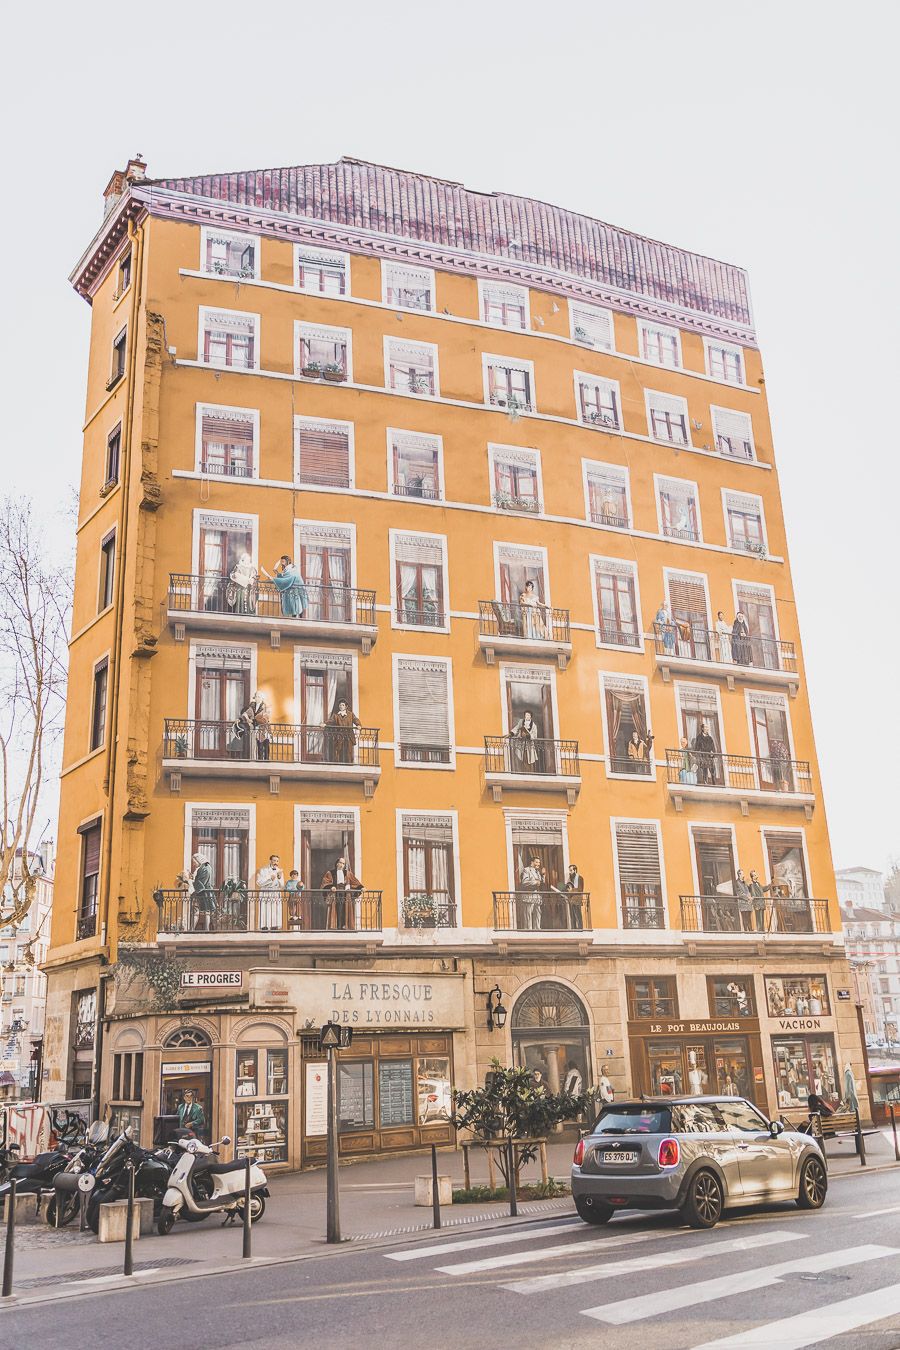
<point>539,765</point>
<point>695,775</point>
<point>551,911</point>
<point>234,909</point>
<point>428,909</point>
<point>728,914</point>
<point>216,604</point>
<point>642,908</point>
<point>523,630</point>
<point>327,754</point>
<point>689,648</point>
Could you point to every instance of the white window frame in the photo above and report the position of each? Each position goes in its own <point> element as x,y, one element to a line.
<point>515,814</point>
<point>324,331</point>
<point>252,521</point>
<point>327,255</point>
<point>753,496</point>
<point>195,645</point>
<point>445,582</point>
<point>650,326</point>
<point>249,807</point>
<point>602,676</point>
<point>233,237</point>
<point>669,572</point>
<point>586,466</point>
<point>664,898</point>
<point>510,288</point>
<point>736,459</point>
<point>593,560</point>
<point>391,432</point>
<point>412,270</point>
<point>348,526</point>
<point>586,376</point>
<point>301,657</point>
<point>352,811</point>
<point>447,662</point>
<point>692,846</point>
<point>431,347</point>
<point>501,544</point>
<point>489,359</point>
<point>649,395</point>
<point>733,350</point>
<point>758,586</point>
<point>659,481</point>
<point>785,829</point>
<point>505,667</point>
<point>207,310</point>
<point>769,695</point>
<point>301,418</point>
<point>248,414</point>
<point>677,686</point>
<point>401,812</point>
<point>587,308</point>
<point>496,451</point>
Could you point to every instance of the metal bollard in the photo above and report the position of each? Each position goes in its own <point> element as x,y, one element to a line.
<point>894,1128</point>
<point>10,1239</point>
<point>129,1219</point>
<point>435,1192</point>
<point>247,1227</point>
<point>513,1198</point>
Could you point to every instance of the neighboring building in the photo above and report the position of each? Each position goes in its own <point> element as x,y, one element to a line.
<point>23,985</point>
<point>872,934</point>
<point>523,461</point>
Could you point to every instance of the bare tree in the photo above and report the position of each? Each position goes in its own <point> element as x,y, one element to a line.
<point>35,603</point>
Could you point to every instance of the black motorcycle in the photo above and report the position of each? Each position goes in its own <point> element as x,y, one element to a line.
<point>35,1177</point>
<point>110,1176</point>
<point>65,1201</point>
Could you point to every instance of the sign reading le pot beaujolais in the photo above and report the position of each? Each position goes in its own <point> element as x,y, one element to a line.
<point>212,979</point>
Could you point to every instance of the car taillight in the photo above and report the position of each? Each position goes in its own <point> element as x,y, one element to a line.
<point>579,1153</point>
<point>668,1153</point>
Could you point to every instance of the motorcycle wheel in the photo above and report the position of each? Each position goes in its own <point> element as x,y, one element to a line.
<point>68,1208</point>
<point>166,1221</point>
<point>257,1208</point>
<point>92,1216</point>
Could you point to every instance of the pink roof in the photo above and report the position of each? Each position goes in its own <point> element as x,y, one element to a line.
<point>414,206</point>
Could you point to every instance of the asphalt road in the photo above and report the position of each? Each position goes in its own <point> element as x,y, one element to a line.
<point>778,1278</point>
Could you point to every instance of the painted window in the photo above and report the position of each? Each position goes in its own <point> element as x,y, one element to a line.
<point>629,737</point>
<point>654,996</point>
<point>415,465</point>
<point>221,836</point>
<point>117,363</point>
<point>725,362</point>
<point>98,704</point>
<point>516,479</point>
<point>90,879</point>
<point>423,706</point>
<point>744,516</point>
<point>733,433</point>
<point>107,571</point>
<point>229,254</point>
<point>679,509</point>
<point>322,453</point>
<point>598,402</point>
<point>323,351</point>
<point>412,367</point>
<point>660,344</point>
<point>667,415</point>
<point>227,442</point>
<point>593,326</point>
<point>123,273</point>
<point>504,306</point>
<point>326,563</point>
<point>510,384</point>
<point>229,339</point>
<point>429,886</point>
<point>619,623</point>
<point>419,570</point>
<point>640,874</point>
<point>321,271</point>
<point>113,456</point>
<point>607,495</point>
<point>408,287</point>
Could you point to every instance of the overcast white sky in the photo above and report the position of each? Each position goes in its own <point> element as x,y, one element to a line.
<point>764,134</point>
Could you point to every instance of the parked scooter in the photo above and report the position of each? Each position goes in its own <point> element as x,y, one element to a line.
<point>200,1186</point>
<point>109,1179</point>
<point>35,1177</point>
<point>64,1203</point>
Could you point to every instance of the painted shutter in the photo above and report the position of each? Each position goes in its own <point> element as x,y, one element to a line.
<point>422,697</point>
<point>323,456</point>
<point>637,851</point>
<point>687,598</point>
<point>734,433</point>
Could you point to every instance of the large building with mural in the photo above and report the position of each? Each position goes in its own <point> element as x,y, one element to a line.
<point>434,648</point>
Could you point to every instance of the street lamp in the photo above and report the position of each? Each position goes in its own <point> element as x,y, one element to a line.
<point>496,1013</point>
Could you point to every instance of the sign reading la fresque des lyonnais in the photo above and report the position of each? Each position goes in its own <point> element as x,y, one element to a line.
<point>363,1000</point>
<point>212,979</point>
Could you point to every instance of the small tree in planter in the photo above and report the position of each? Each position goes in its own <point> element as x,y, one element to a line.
<point>512,1107</point>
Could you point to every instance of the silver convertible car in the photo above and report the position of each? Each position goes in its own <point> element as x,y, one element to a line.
<point>698,1155</point>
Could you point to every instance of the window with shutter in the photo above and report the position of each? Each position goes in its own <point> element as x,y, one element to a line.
<point>227,441</point>
<point>321,271</point>
<point>98,704</point>
<point>640,872</point>
<point>408,287</point>
<point>733,432</point>
<point>667,417</point>
<point>90,879</point>
<point>423,708</point>
<point>323,453</point>
<point>504,306</point>
<point>592,326</point>
<point>660,344</point>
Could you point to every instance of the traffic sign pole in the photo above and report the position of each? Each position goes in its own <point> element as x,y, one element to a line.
<point>332,1037</point>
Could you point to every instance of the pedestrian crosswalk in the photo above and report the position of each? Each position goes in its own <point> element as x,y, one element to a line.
<point>648,1268</point>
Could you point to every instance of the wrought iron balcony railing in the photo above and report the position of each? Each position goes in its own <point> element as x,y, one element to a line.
<point>642,1009</point>
<point>233,908</point>
<point>527,911</point>
<point>619,637</point>
<point>413,489</point>
<point>522,755</point>
<point>726,1005</point>
<point>740,773</point>
<point>737,914</point>
<point>637,915</point>
<point>638,768</point>
<point>191,594</point>
<point>218,469</point>
<point>432,616</point>
<point>428,909</point>
<point>611,518</point>
<point>282,743</point>
<point>86,926</point>
<point>532,623</point>
<point>695,642</point>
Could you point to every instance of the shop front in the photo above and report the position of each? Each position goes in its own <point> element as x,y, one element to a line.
<point>802,1035</point>
<point>696,1058</point>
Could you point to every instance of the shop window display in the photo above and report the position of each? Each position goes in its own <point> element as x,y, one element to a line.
<point>550,1037</point>
<point>797,996</point>
<point>356,1095</point>
<point>805,1064</point>
<point>260,1128</point>
<point>721,1066</point>
<point>433,1090</point>
<point>655,996</point>
<point>731,997</point>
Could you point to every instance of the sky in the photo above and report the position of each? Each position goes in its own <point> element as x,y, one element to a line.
<point>764,134</point>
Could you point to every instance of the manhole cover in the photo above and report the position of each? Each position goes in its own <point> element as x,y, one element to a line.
<point>77,1276</point>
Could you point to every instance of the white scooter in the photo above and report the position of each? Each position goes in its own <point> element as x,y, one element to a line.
<point>199,1187</point>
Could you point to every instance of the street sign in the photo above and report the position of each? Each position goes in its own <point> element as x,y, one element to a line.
<point>330,1036</point>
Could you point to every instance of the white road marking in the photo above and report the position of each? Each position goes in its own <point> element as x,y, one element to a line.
<point>492,1240</point>
<point>725,1286</point>
<point>812,1328</point>
<point>874,1213</point>
<point>634,1265</point>
<point>541,1254</point>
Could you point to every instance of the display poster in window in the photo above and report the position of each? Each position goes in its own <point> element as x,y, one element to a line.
<point>395,1092</point>
<point>316,1099</point>
<point>434,1092</point>
<point>276,1072</point>
<point>260,1128</point>
<point>245,1074</point>
<point>356,1096</point>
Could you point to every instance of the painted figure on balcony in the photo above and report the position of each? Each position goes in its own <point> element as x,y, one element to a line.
<point>203,894</point>
<point>523,743</point>
<point>665,628</point>
<point>687,772</point>
<point>640,747</point>
<point>270,884</point>
<point>758,896</point>
<point>341,735</point>
<point>243,586</point>
<point>343,890</point>
<point>573,890</point>
<point>290,586</point>
<point>532,880</point>
<point>294,888</point>
<point>741,650</point>
<point>532,612</point>
<point>704,750</point>
<point>251,731</point>
<point>780,765</point>
<point>744,900</point>
<point>723,636</point>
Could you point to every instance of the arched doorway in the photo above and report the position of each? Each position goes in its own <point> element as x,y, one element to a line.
<point>186,1083</point>
<point>551,1036</point>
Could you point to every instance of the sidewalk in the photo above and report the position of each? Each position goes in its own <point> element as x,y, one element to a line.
<point>376,1200</point>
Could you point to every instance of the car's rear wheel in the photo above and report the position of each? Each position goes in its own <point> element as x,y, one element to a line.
<point>813,1185</point>
<point>591,1210</point>
<point>703,1203</point>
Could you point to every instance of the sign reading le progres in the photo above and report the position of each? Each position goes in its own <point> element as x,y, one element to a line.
<point>362,1000</point>
<point>212,979</point>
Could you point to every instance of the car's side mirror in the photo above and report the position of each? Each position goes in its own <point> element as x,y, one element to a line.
<point>775,1128</point>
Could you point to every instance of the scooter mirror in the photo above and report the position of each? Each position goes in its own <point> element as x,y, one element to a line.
<point>128,1131</point>
<point>98,1132</point>
<point>226,1139</point>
